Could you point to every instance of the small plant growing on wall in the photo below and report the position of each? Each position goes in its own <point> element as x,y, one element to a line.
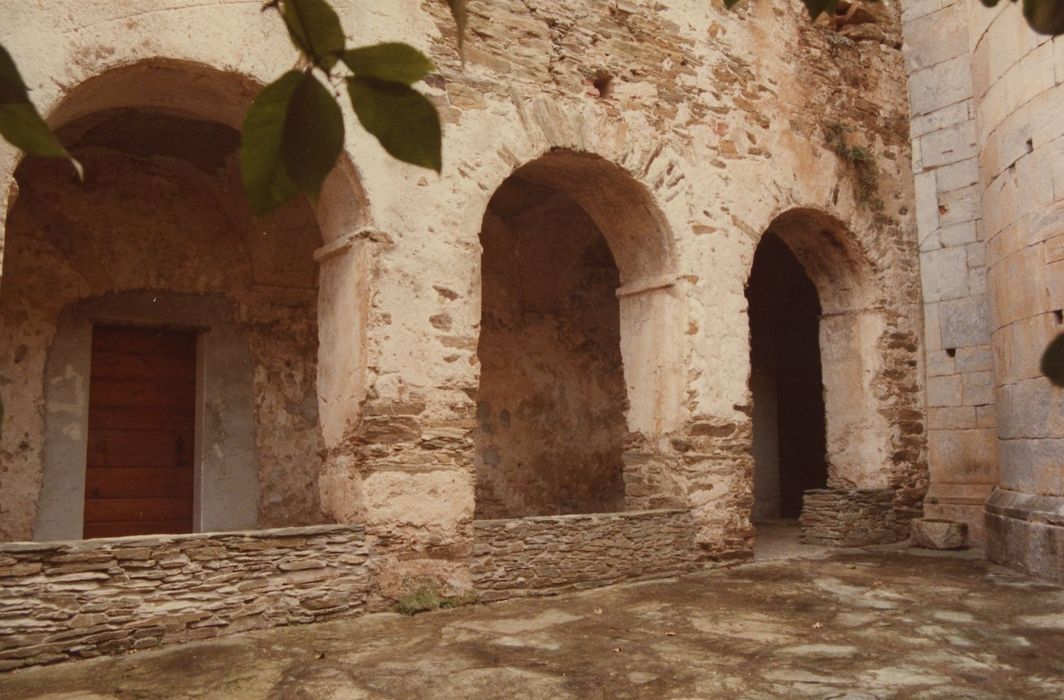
<point>861,159</point>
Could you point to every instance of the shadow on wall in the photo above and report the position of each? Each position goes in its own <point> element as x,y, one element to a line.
<point>161,213</point>
<point>564,371</point>
<point>789,432</point>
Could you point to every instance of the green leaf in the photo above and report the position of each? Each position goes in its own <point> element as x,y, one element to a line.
<point>313,135</point>
<point>402,119</point>
<point>20,123</point>
<point>262,170</point>
<point>399,63</point>
<point>818,7</point>
<point>461,18</point>
<point>1045,16</point>
<point>315,30</point>
<point>1053,361</point>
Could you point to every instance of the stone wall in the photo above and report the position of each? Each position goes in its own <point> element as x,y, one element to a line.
<point>850,518</point>
<point>961,414</point>
<point>683,129</point>
<point>1018,82</point>
<point>551,401</point>
<point>161,220</point>
<point>550,555</point>
<point>68,600</point>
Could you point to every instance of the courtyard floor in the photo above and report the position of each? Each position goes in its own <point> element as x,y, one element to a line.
<point>868,624</point>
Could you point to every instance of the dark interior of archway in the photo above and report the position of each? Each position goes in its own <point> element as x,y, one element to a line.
<point>551,402</point>
<point>786,382</point>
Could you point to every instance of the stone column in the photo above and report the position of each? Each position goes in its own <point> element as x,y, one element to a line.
<point>1018,83</point>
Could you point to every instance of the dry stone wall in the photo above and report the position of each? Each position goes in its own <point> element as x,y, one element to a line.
<point>850,518</point>
<point>71,600</point>
<point>550,555</point>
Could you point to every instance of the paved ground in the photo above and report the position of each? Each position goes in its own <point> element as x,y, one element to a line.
<point>845,625</point>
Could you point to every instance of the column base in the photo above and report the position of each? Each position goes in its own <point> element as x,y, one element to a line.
<point>1026,532</point>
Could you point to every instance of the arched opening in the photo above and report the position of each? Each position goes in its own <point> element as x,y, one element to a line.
<point>575,304</point>
<point>785,383</point>
<point>821,438</point>
<point>160,344</point>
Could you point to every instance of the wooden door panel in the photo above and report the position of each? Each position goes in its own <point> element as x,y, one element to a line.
<point>165,418</point>
<point>137,483</point>
<point>116,365</point>
<point>132,340</point>
<point>142,410</point>
<point>145,449</point>
<point>143,393</point>
<point>160,527</point>
<point>145,510</point>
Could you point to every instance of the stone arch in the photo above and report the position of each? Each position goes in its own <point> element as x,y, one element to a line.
<point>630,351</point>
<point>622,209</point>
<point>185,90</point>
<point>852,323</point>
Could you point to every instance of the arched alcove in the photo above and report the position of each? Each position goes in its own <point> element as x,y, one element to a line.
<point>786,382</point>
<point>819,262</point>
<point>577,271</point>
<point>159,229</point>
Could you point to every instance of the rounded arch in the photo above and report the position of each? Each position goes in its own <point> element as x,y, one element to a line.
<point>580,336</point>
<point>851,324</point>
<point>831,255</point>
<point>188,93</point>
<point>633,225</point>
<point>191,90</point>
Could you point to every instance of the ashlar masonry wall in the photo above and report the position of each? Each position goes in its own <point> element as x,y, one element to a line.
<point>962,411</point>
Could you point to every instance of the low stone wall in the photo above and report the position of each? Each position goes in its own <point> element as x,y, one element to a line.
<point>848,518</point>
<point>550,555</point>
<point>62,600</point>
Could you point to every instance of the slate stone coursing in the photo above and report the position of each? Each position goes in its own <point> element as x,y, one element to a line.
<point>849,518</point>
<point>66,600</point>
<point>549,555</point>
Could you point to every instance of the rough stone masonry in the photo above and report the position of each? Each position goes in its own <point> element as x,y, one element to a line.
<point>610,170</point>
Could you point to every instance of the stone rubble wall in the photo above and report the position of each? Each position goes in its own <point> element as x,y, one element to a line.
<point>550,555</point>
<point>848,518</point>
<point>70,600</point>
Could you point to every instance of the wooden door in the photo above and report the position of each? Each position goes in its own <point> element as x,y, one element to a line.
<point>142,411</point>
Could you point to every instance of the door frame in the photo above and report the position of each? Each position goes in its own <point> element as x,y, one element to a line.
<point>226,468</point>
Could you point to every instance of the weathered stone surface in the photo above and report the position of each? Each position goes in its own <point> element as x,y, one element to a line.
<point>250,580</point>
<point>850,518</point>
<point>864,625</point>
<point>932,533</point>
<point>549,555</point>
<point>684,106</point>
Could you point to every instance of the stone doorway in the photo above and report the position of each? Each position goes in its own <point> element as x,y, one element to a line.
<point>786,383</point>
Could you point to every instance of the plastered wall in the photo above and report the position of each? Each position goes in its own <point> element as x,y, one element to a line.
<point>711,126</point>
<point>160,214</point>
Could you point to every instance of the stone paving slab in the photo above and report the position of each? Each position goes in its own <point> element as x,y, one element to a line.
<point>848,625</point>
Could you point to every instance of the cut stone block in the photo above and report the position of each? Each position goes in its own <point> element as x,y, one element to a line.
<point>930,533</point>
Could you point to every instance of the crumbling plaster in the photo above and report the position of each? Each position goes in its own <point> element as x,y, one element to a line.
<point>150,238</point>
<point>716,115</point>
